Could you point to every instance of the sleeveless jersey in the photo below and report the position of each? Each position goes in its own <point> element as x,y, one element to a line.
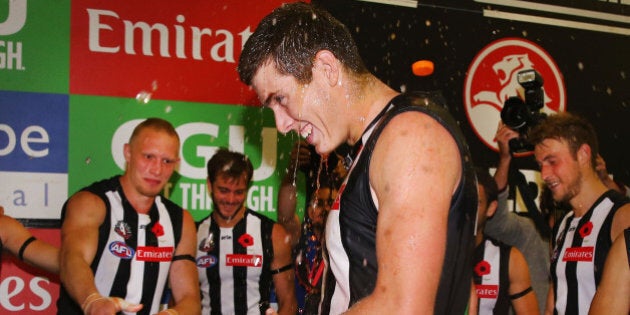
<point>491,276</point>
<point>351,223</point>
<point>134,251</point>
<point>234,265</point>
<point>580,249</point>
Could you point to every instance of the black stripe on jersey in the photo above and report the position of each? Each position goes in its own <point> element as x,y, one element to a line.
<point>119,286</point>
<point>213,273</point>
<point>240,273</point>
<point>150,268</point>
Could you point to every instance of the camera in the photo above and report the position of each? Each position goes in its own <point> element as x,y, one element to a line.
<point>520,115</point>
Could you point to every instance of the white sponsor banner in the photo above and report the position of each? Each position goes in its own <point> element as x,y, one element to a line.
<point>26,195</point>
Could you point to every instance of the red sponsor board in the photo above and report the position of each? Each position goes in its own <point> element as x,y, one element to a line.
<point>236,260</point>
<point>172,50</point>
<point>25,289</point>
<point>154,254</point>
<point>485,291</point>
<point>578,254</point>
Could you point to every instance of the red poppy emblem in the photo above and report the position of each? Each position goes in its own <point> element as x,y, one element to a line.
<point>157,229</point>
<point>482,268</point>
<point>586,229</point>
<point>246,240</point>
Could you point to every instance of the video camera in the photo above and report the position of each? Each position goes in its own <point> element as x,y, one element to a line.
<point>520,115</point>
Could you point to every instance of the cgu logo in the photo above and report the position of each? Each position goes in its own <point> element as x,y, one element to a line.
<point>121,250</point>
<point>236,143</point>
<point>16,18</point>
<point>206,261</point>
<point>491,80</point>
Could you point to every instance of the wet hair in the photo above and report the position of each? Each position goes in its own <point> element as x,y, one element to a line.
<point>488,183</point>
<point>154,123</point>
<point>230,164</point>
<point>291,36</point>
<point>571,128</point>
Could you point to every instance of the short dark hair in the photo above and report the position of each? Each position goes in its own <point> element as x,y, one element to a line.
<point>488,183</point>
<point>290,36</point>
<point>154,123</point>
<point>230,164</point>
<point>571,128</point>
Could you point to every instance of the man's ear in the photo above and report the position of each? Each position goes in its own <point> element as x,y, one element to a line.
<point>492,208</point>
<point>327,63</point>
<point>127,152</point>
<point>584,154</point>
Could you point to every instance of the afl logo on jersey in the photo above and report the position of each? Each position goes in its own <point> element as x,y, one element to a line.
<point>491,80</point>
<point>206,261</point>
<point>121,250</point>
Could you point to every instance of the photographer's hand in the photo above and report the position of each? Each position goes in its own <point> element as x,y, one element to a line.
<point>503,136</point>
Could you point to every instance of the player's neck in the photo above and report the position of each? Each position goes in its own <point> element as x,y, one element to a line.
<point>590,191</point>
<point>228,222</point>
<point>141,203</point>
<point>372,98</point>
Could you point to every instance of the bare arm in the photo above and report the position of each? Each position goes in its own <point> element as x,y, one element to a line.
<point>621,221</point>
<point>79,236</point>
<point>284,280</point>
<point>287,194</point>
<point>614,289</point>
<point>551,300</point>
<point>37,253</point>
<point>503,136</point>
<point>183,276</point>
<point>519,282</point>
<point>414,171</point>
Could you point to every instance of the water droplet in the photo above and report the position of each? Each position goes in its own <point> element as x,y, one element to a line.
<point>168,109</point>
<point>580,66</point>
<point>143,97</point>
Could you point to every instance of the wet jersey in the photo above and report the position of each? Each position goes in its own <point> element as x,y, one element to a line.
<point>351,223</point>
<point>234,265</point>
<point>491,266</point>
<point>134,251</point>
<point>580,249</point>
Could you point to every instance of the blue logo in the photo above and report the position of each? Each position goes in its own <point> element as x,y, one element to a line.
<point>206,261</point>
<point>121,250</point>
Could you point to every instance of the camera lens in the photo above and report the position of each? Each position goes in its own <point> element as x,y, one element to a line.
<point>514,113</point>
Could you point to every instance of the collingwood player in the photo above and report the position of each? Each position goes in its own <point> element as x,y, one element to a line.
<point>122,242</point>
<point>566,150</point>
<point>240,253</point>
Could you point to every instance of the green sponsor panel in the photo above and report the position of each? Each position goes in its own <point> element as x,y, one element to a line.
<point>34,45</point>
<point>99,127</point>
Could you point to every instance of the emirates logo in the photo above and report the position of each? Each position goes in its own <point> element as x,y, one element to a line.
<point>491,80</point>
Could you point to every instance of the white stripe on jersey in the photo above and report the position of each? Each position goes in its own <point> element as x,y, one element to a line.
<point>491,254</point>
<point>340,266</point>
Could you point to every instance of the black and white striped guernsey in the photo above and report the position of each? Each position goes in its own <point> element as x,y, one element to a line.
<point>580,249</point>
<point>491,267</point>
<point>351,223</point>
<point>234,265</point>
<point>134,250</point>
